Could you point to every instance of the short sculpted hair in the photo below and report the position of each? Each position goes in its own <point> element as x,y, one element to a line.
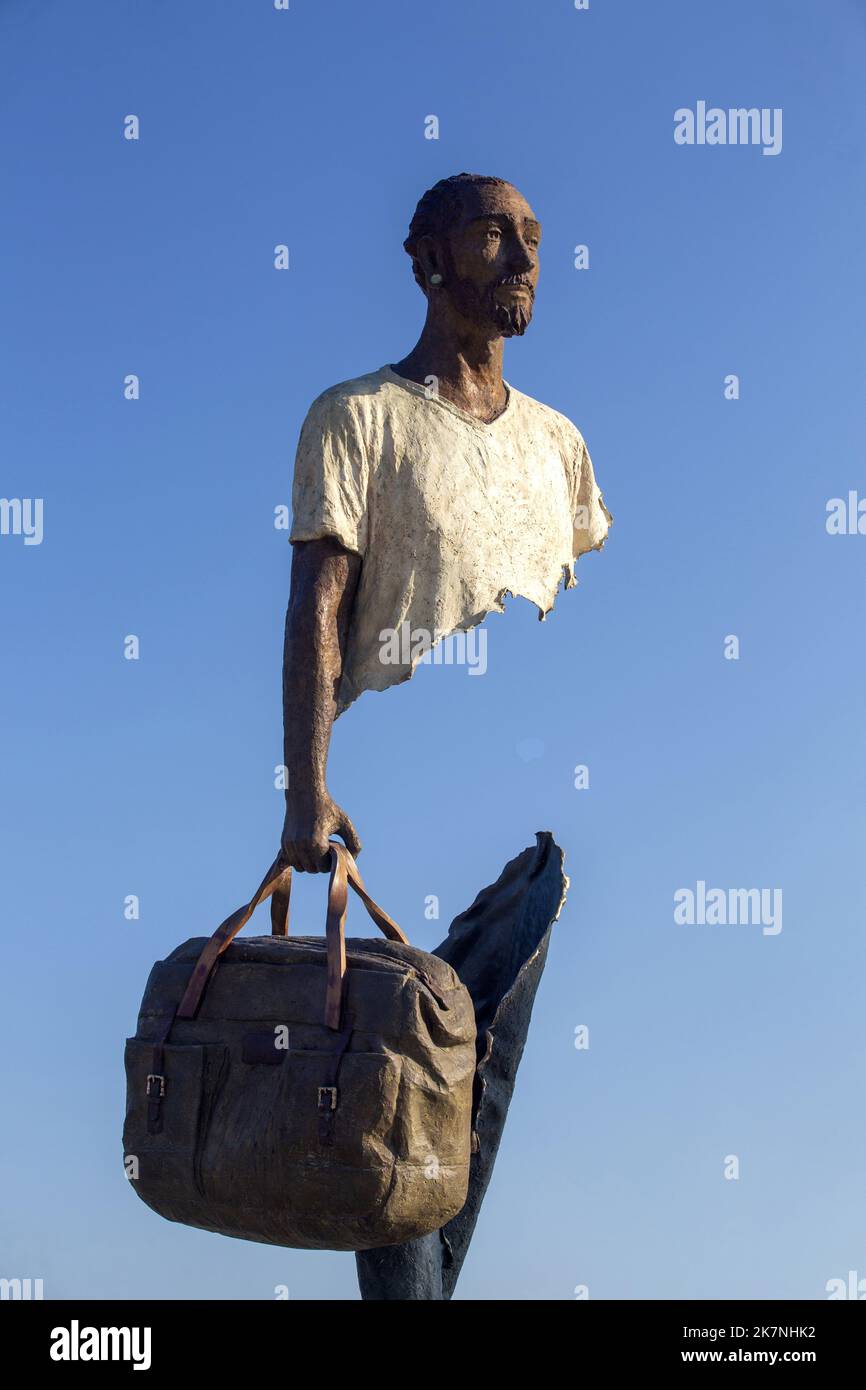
<point>437,210</point>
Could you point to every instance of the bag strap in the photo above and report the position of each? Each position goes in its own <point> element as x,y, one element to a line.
<point>280,905</point>
<point>344,871</point>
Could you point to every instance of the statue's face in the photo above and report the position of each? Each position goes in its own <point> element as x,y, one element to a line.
<point>492,259</point>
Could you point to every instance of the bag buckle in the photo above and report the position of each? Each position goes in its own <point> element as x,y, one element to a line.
<point>151,1081</point>
<point>327,1098</point>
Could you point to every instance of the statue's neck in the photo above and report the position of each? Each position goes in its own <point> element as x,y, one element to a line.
<point>467,368</point>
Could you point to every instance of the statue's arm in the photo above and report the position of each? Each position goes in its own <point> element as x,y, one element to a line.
<point>323,586</point>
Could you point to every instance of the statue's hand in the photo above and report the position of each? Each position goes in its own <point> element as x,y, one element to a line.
<point>310,822</point>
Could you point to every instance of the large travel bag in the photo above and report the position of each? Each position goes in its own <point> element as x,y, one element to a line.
<point>300,1091</point>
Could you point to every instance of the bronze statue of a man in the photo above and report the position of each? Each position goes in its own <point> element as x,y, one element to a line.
<point>425,491</point>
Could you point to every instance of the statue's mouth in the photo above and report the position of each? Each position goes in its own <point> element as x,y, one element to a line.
<point>515,287</point>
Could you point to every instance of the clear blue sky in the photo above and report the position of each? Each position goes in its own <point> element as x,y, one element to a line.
<point>155,777</point>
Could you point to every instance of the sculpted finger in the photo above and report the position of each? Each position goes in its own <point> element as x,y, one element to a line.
<point>321,856</point>
<point>349,835</point>
<point>307,856</point>
<point>289,855</point>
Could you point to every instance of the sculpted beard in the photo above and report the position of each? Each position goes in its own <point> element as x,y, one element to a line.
<point>509,316</point>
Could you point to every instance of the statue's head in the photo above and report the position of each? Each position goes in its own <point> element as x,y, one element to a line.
<point>474,247</point>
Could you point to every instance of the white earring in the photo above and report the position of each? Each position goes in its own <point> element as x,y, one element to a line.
<point>436,279</point>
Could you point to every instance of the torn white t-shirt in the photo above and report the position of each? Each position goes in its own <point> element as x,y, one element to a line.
<point>449,513</point>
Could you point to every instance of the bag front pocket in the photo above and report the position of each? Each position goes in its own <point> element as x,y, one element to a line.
<point>298,1138</point>
<point>167,1116</point>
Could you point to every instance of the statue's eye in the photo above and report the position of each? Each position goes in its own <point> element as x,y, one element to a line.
<point>494,232</point>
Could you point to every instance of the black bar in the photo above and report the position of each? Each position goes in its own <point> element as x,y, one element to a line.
<point>200,1338</point>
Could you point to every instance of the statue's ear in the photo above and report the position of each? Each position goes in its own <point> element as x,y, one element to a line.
<point>428,254</point>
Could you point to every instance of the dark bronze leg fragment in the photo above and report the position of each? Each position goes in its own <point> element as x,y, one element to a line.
<point>498,948</point>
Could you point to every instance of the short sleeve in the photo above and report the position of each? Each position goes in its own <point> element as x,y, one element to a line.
<point>329,492</point>
<point>591,518</point>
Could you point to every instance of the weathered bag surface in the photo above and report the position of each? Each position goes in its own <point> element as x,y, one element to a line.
<point>304,1094</point>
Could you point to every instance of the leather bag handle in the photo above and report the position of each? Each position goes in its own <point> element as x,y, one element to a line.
<point>344,871</point>
<point>280,899</point>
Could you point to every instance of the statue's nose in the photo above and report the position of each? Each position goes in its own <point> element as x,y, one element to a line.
<point>524,261</point>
